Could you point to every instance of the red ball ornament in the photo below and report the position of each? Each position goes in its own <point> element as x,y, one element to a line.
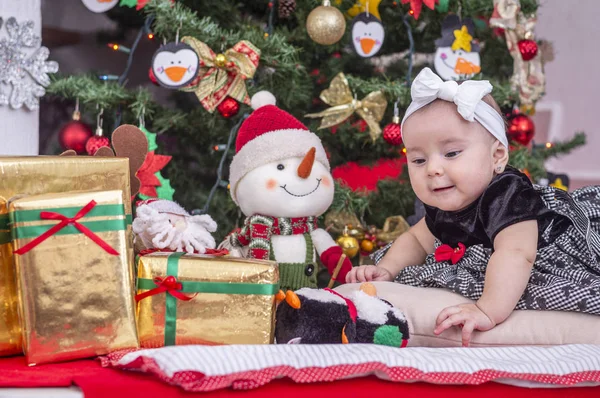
<point>391,132</point>
<point>74,135</point>
<point>152,77</point>
<point>96,142</point>
<point>528,49</point>
<point>521,129</point>
<point>228,108</point>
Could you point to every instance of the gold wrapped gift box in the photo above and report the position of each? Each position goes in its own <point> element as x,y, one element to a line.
<point>198,299</point>
<point>35,175</point>
<point>10,330</point>
<point>71,256</point>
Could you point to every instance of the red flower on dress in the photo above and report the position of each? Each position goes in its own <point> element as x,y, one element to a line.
<point>447,252</point>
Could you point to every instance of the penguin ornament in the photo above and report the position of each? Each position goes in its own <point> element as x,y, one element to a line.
<point>367,34</point>
<point>457,54</point>
<point>324,316</point>
<point>175,65</point>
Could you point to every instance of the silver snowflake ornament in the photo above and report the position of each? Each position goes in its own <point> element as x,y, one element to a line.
<point>27,76</point>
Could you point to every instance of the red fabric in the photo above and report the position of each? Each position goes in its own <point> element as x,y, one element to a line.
<point>99,382</point>
<point>359,177</point>
<point>351,307</point>
<point>263,120</point>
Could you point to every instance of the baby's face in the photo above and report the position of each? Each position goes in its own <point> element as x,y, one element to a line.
<point>450,160</point>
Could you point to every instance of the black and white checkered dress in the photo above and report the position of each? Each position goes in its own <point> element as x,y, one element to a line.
<point>566,273</point>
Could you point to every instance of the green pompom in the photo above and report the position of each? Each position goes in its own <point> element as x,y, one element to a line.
<point>388,335</point>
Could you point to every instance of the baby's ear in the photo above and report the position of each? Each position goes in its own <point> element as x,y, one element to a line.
<point>500,155</point>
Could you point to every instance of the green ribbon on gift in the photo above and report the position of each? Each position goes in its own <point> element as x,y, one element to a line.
<point>33,231</point>
<point>197,287</point>
<point>4,229</point>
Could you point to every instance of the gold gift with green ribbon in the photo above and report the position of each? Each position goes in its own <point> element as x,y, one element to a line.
<point>74,276</point>
<point>201,299</point>
<point>10,330</point>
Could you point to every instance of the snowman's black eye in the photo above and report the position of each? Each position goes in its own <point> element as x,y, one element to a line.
<point>280,167</point>
<point>179,61</point>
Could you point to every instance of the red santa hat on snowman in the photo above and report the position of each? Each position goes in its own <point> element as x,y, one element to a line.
<point>270,134</point>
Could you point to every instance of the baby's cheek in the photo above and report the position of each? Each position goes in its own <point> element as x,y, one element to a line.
<point>326,181</point>
<point>271,184</point>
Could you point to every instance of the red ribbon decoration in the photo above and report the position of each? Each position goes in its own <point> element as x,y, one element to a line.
<point>447,252</point>
<point>168,284</point>
<point>64,221</point>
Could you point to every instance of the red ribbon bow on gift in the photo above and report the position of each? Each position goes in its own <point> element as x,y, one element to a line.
<point>64,221</point>
<point>168,284</point>
<point>447,252</point>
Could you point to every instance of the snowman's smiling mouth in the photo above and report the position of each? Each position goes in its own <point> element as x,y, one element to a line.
<point>306,194</point>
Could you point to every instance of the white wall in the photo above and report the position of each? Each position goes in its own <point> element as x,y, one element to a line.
<point>19,128</point>
<point>573,81</point>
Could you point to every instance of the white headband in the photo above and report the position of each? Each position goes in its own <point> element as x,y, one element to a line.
<point>427,87</point>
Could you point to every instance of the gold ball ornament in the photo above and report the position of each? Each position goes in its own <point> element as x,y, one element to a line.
<point>348,244</point>
<point>220,60</point>
<point>326,24</point>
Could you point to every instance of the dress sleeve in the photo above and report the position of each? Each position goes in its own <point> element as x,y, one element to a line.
<point>508,200</point>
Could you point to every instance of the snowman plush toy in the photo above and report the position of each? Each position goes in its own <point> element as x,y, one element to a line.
<point>280,178</point>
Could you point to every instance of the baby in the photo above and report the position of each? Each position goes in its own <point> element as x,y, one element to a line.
<point>488,233</point>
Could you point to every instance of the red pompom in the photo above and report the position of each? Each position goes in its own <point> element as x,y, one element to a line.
<point>96,142</point>
<point>74,135</point>
<point>528,49</point>
<point>521,129</point>
<point>228,108</point>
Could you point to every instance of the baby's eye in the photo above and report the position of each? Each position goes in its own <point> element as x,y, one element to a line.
<point>452,154</point>
<point>418,161</point>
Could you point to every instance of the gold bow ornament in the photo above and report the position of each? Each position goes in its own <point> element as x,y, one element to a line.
<point>222,75</point>
<point>344,104</point>
<point>528,77</point>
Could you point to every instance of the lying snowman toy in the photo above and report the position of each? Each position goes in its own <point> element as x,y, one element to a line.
<point>280,178</point>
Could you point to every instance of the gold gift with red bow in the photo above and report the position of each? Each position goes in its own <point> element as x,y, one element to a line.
<point>223,75</point>
<point>200,299</point>
<point>74,277</point>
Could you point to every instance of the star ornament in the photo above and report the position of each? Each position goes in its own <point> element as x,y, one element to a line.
<point>462,39</point>
<point>416,5</point>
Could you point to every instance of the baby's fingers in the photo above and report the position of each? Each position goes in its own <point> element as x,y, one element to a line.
<point>456,319</point>
<point>446,312</point>
<point>467,331</point>
<point>369,273</point>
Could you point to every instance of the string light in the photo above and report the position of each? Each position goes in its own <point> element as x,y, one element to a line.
<point>548,145</point>
<point>118,47</point>
<point>150,36</point>
<point>224,184</point>
<point>411,12</point>
<point>219,148</point>
<point>404,151</point>
<point>108,77</point>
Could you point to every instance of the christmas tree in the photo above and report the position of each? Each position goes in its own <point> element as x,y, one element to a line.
<point>369,51</point>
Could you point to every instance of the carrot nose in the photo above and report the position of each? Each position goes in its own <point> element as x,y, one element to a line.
<point>307,163</point>
<point>292,299</point>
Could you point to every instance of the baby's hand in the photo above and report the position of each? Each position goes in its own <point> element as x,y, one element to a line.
<point>368,273</point>
<point>469,316</point>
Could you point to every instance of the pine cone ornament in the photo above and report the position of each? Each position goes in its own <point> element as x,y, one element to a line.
<point>286,8</point>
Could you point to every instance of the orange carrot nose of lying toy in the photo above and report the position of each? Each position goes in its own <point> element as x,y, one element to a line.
<point>292,299</point>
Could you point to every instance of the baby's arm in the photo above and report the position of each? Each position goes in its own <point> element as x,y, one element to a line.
<point>509,269</point>
<point>410,248</point>
<point>507,274</point>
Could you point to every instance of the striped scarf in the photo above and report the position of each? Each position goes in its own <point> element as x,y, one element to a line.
<point>258,230</point>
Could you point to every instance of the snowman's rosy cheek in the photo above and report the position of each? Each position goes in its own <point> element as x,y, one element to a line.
<point>271,184</point>
<point>443,56</point>
<point>326,181</point>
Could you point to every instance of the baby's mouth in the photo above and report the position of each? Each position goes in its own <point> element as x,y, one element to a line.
<point>443,189</point>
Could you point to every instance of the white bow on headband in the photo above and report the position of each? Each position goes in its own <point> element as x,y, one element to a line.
<point>427,87</point>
